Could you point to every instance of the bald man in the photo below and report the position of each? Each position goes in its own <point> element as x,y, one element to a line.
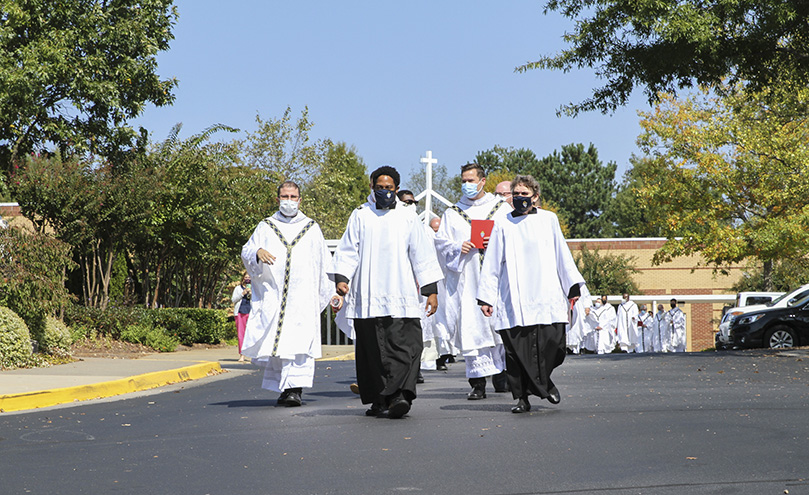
<point>503,189</point>
<point>435,223</point>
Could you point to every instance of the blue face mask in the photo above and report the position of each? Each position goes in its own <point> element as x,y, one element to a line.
<point>469,189</point>
<point>384,199</point>
<point>521,204</point>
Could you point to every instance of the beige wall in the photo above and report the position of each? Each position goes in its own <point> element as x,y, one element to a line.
<point>680,276</point>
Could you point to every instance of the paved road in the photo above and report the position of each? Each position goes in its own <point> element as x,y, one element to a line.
<point>702,423</point>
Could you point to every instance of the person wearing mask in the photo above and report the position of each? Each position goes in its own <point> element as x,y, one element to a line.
<point>382,263</point>
<point>627,324</point>
<point>241,309</point>
<point>286,257</point>
<point>473,334</point>
<point>503,191</point>
<point>528,249</point>
<point>603,318</point>
<point>645,320</point>
<point>676,321</point>
<point>660,331</point>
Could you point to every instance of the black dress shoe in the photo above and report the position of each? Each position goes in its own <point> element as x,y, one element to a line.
<point>375,410</point>
<point>521,407</point>
<point>420,378</point>
<point>293,400</point>
<point>441,367</point>
<point>554,397</point>
<point>476,394</point>
<point>283,398</point>
<point>398,408</point>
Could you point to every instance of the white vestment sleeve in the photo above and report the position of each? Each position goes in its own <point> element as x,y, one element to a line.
<point>492,265</point>
<point>565,264</point>
<point>422,256</point>
<point>448,249</point>
<point>347,255</point>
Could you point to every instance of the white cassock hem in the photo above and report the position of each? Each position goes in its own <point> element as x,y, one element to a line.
<point>481,363</point>
<point>281,374</point>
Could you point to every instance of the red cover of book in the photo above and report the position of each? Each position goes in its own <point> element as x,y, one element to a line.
<point>481,229</point>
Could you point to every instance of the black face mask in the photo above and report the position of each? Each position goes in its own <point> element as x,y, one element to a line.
<point>384,199</point>
<point>521,204</point>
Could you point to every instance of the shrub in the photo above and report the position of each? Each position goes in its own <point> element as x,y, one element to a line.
<point>55,338</point>
<point>158,338</point>
<point>15,341</point>
<point>175,323</point>
<point>136,333</point>
<point>79,331</point>
<point>212,324</point>
<point>108,322</point>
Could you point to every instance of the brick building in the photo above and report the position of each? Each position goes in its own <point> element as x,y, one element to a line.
<point>679,278</point>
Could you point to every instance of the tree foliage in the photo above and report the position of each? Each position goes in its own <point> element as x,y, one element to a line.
<point>628,214</point>
<point>574,182</point>
<point>339,187</point>
<point>726,176</point>
<point>661,46</point>
<point>75,72</point>
<point>607,273</point>
<point>785,275</point>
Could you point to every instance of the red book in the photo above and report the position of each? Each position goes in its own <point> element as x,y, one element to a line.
<point>481,229</point>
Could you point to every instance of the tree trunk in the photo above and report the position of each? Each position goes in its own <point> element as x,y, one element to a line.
<point>766,274</point>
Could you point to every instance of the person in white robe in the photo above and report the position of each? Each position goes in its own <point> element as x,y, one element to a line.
<point>604,319</point>
<point>645,340</point>
<point>676,320</point>
<point>627,324</point>
<point>381,264</point>
<point>661,336</point>
<point>527,285</point>
<point>580,324</point>
<point>286,257</point>
<point>474,335</point>
<point>443,341</point>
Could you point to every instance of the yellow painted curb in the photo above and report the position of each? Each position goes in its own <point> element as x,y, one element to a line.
<point>344,357</point>
<point>146,381</point>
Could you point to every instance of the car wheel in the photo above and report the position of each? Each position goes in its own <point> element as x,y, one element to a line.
<point>780,337</point>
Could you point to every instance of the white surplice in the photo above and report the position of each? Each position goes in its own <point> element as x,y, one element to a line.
<point>525,277</point>
<point>602,321</point>
<point>676,320</point>
<point>387,256</point>
<point>627,326</point>
<point>645,338</point>
<point>661,335</point>
<point>579,324</point>
<point>472,333</point>
<point>297,344</point>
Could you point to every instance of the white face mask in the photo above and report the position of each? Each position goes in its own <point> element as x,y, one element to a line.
<point>288,207</point>
<point>598,303</point>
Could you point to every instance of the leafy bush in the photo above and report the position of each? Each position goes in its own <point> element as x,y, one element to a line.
<point>158,338</point>
<point>108,322</point>
<point>176,324</point>
<point>55,338</point>
<point>80,331</point>
<point>32,280</point>
<point>15,341</point>
<point>212,324</point>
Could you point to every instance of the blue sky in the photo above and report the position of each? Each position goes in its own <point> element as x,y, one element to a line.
<point>393,79</point>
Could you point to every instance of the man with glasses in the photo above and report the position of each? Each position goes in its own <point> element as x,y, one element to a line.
<point>381,264</point>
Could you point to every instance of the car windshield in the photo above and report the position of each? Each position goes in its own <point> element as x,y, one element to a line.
<point>779,298</point>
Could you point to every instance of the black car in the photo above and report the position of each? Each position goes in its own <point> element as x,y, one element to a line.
<point>775,328</point>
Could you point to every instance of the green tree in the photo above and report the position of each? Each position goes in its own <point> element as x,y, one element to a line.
<point>75,72</point>
<point>608,273</point>
<point>786,275</point>
<point>628,215</point>
<point>340,186</point>
<point>661,46</point>
<point>726,177</point>
<point>447,186</point>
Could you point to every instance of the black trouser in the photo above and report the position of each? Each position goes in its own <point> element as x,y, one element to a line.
<point>532,353</point>
<point>388,357</point>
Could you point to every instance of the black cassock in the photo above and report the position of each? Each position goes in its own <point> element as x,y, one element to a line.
<point>388,357</point>
<point>532,353</point>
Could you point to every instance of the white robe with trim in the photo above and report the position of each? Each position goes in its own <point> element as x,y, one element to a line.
<point>627,326</point>
<point>661,335</point>
<point>645,333</point>
<point>467,326</point>
<point>601,341</point>
<point>579,324</point>
<point>387,256</point>
<point>528,271</point>
<point>309,290</point>
<point>676,321</point>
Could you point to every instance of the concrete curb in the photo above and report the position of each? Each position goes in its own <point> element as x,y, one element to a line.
<point>137,383</point>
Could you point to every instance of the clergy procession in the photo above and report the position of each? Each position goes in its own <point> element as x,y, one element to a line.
<point>491,282</point>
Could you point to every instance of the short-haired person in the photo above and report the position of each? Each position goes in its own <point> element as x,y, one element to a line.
<point>503,190</point>
<point>472,333</point>
<point>527,285</point>
<point>381,264</point>
<point>286,258</point>
<point>676,320</point>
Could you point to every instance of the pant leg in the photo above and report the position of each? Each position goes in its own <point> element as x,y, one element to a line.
<point>368,361</point>
<point>241,324</point>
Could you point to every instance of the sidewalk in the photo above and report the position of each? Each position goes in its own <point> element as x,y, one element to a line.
<point>93,378</point>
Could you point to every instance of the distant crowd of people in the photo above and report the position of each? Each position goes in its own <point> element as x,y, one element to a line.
<point>492,281</point>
